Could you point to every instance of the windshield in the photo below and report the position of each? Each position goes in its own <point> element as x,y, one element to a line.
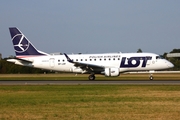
<point>159,57</point>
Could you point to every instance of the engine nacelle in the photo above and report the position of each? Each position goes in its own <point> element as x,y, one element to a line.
<point>112,72</point>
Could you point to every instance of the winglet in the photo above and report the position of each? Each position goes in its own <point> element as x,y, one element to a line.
<point>68,59</point>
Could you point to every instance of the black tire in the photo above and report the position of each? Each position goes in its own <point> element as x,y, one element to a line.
<point>91,77</point>
<point>151,78</point>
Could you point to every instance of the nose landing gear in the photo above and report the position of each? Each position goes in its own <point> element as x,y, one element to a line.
<point>151,77</point>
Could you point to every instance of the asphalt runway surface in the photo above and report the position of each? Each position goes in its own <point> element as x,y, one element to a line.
<point>81,82</point>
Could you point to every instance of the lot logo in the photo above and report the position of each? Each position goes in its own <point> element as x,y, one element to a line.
<point>134,62</point>
<point>21,44</point>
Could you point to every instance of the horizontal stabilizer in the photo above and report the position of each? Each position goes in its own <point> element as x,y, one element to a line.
<point>21,62</point>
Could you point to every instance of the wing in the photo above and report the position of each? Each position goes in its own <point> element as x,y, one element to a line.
<point>86,66</point>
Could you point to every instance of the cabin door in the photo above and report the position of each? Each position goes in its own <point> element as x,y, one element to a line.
<point>51,62</point>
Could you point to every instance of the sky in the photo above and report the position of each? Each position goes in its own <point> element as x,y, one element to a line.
<point>92,26</point>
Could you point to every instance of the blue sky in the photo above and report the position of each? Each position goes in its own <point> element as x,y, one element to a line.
<point>92,26</point>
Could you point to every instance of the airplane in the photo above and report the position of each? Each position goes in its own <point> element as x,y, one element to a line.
<point>108,64</point>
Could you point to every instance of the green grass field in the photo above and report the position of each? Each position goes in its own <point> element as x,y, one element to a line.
<point>87,102</point>
<point>63,76</point>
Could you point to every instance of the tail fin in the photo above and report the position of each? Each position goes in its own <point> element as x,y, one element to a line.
<point>22,46</point>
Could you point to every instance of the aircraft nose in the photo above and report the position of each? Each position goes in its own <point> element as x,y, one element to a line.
<point>170,65</point>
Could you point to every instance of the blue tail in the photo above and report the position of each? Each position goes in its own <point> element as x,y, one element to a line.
<point>22,46</point>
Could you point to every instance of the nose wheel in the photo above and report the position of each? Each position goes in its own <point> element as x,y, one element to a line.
<point>151,77</point>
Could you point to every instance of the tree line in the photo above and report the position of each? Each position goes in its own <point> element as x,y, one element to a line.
<point>174,60</point>
<point>10,68</point>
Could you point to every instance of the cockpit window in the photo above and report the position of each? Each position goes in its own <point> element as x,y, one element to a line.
<point>159,57</point>
<point>149,57</point>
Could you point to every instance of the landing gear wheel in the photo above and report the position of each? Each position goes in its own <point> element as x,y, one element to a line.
<point>151,78</point>
<point>92,77</point>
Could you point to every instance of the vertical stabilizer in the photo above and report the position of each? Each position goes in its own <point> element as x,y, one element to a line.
<point>22,46</point>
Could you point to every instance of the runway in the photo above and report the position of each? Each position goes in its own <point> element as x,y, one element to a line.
<point>81,82</point>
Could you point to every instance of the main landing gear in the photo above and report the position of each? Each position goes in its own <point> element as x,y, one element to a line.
<point>92,77</point>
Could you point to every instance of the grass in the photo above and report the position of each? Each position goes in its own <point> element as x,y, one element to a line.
<point>66,76</point>
<point>87,102</point>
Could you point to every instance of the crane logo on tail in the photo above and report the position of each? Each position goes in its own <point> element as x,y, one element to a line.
<point>21,44</point>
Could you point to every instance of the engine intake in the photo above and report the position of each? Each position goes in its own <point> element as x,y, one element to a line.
<point>112,72</point>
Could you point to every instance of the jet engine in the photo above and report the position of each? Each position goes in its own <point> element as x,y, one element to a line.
<point>112,72</point>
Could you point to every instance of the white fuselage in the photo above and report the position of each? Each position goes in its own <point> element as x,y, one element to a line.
<point>125,62</point>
